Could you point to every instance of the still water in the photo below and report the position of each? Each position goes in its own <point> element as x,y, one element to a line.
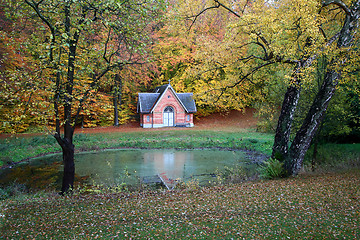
<point>109,167</point>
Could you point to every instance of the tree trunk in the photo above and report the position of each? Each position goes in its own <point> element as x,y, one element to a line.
<point>68,148</point>
<point>116,112</point>
<point>66,142</point>
<point>283,130</point>
<point>300,145</point>
<point>69,167</point>
<point>304,136</point>
<point>315,154</point>
<point>117,97</point>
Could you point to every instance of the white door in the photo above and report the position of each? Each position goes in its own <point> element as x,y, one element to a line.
<point>168,117</point>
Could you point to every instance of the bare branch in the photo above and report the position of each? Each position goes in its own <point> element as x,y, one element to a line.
<point>217,5</point>
<point>230,10</point>
<point>35,6</point>
<point>249,74</point>
<point>243,78</point>
<point>338,3</point>
<point>198,15</point>
<point>106,46</point>
<point>247,2</point>
<point>28,102</point>
<point>323,33</point>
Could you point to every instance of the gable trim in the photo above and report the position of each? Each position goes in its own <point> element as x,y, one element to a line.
<point>162,95</point>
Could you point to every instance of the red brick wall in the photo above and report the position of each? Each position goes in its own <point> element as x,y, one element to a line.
<point>169,99</point>
<point>156,118</point>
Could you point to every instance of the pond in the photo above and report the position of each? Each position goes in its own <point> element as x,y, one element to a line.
<point>114,167</point>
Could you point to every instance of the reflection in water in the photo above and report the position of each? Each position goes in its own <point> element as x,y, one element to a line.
<point>111,167</point>
<point>170,163</point>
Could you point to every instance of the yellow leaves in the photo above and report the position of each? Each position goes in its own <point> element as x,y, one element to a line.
<point>287,29</point>
<point>286,26</point>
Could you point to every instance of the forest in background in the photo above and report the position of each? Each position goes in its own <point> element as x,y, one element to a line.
<point>202,47</point>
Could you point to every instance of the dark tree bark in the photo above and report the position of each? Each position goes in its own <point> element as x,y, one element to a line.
<point>69,167</point>
<point>312,121</point>
<point>315,143</point>
<point>303,138</point>
<point>283,130</point>
<point>117,97</point>
<point>66,142</point>
<point>68,148</point>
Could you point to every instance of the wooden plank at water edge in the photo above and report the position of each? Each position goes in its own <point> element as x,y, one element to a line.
<point>169,183</point>
<point>151,179</point>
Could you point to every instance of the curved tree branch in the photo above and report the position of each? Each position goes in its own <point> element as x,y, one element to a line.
<point>217,5</point>
<point>35,6</point>
<point>199,14</point>
<point>230,10</point>
<point>338,3</point>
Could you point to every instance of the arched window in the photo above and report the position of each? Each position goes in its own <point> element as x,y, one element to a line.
<point>168,117</point>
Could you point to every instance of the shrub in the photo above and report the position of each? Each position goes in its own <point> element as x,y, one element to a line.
<point>13,190</point>
<point>4,194</point>
<point>234,174</point>
<point>271,169</point>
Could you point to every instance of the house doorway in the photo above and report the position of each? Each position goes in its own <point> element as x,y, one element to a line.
<point>168,117</point>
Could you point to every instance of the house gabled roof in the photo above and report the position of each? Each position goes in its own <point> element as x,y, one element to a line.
<point>188,101</point>
<point>148,101</point>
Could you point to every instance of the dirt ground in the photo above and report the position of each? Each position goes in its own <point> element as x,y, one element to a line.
<point>220,121</point>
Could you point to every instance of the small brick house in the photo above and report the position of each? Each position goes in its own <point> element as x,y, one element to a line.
<point>166,108</point>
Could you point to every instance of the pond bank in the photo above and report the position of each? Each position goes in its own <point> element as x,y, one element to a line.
<point>115,167</point>
<point>14,150</point>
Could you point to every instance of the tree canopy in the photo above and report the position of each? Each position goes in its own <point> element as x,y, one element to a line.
<point>72,46</point>
<point>293,35</point>
<point>66,63</point>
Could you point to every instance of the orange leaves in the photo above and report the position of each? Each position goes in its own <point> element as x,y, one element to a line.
<point>303,207</point>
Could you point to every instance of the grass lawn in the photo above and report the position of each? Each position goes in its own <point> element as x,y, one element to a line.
<point>305,207</point>
<point>17,148</point>
<point>310,206</point>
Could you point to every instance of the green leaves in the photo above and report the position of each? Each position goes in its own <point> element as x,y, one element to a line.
<point>272,169</point>
<point>74,44</point>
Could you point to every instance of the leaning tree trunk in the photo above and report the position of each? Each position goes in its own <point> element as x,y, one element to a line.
<point>312,121</point>
<point>283,130</point>
<point>303,138</point>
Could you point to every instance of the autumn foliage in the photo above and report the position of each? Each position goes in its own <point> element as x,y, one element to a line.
<point>306,207</point>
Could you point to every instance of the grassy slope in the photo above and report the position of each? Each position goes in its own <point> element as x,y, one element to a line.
<point>306,207</point>
<point>325,206</point>
<point>18,148</point>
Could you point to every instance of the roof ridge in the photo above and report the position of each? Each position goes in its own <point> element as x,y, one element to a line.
<point>148,101</point>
